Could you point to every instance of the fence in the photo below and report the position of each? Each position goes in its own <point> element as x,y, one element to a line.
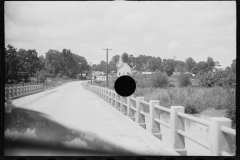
<point>219,127</point>
<point>12,92</point>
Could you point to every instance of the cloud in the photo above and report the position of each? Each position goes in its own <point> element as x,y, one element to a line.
<point>149,28</point>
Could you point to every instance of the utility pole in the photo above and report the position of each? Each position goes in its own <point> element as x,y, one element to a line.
<point>107,64</point>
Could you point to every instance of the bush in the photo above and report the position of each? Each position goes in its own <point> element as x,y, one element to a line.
<point>42,76</point>
<point>184,80</point>
<point>158,79</point>
<point>141,81</point>
<point>194,99</point>
<point>219,78</point>
<point>230,106</point>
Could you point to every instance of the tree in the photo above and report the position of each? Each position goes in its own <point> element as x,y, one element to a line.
<point>211,64</point>
<point>168,66</point>
<point>113,63</point>
<point>102,66</point>
<point>29,61</point>
<point>42,63</point>
<point>189,64</point>
<point>233,66</point>
<point>158,79</point>
<point>125,58</point>
<point>179,66</point>
<point>11,64</point>
<point>154,63</point>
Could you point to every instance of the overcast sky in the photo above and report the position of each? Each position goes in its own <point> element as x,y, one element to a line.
<point>195,29</point>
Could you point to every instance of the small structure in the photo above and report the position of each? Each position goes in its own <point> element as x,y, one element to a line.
<point>146,74</point>
<point>191,74</point>
<point>97,73</point>
<point>217,68</point>
<point>101,78</point>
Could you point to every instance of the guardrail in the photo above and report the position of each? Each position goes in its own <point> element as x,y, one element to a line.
<point>220,129</point>
<point>13,92</point>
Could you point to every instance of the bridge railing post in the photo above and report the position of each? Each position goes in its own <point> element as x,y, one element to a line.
<point>106,93</point>
<point>10,92</point>
<point>140,119</point>
<point>123,107</point>
<point>219,141</point>
<point>116,101</point>
<point>18,91</point>
<point>14,91</point>
<point>112,103</point>
<point>155,127</point>
<point>109,94</point>
<point>177,123</point>
<point>6,93</point>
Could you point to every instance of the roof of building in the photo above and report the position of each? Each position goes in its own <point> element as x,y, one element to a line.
<point>125,65</point>
<point>147,72</point>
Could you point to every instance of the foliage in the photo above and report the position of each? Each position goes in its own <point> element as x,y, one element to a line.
<point>207,79</point>
<point>55,63</point>
<point>155,63</point>
<point>42,76</point>
<point>230,106</point>
<point>189,64</point>
<point>194,99</point>
<point>158,79</point>
<point>184,80</point>
<point>140,80</point>
<point>20,61</point>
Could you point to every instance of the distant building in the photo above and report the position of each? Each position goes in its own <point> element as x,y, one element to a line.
<point>101,78</point>
<point>147,74</point>
<point>97,73</point>
<point>218,68</point>
<point>123,68</point>
<point>193,75</point>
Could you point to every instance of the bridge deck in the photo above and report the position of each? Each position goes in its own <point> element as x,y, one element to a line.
<point>78,108</point>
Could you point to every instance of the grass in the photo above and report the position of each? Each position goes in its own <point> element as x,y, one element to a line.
<point>194,99</point>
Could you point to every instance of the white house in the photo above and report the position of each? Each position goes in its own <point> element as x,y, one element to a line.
<point>123,68</point>
<point>101,78</point>
<point>97,73</point>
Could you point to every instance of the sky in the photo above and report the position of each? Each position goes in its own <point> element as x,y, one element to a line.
<point>180,29</point>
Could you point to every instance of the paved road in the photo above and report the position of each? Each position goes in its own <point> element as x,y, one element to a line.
<point>78,108</point>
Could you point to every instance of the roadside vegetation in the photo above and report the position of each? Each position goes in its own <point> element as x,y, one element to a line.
<point>206,90</point>
<point>25,67</point>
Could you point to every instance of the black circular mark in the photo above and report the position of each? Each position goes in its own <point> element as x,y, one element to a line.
<point>125,86</point>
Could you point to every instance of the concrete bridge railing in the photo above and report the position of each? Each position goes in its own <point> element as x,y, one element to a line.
<point>220,129</point>
<point>13,92</point>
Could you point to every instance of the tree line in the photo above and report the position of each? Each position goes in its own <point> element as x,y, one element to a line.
<point>151,64</point>
<point>54,64</point>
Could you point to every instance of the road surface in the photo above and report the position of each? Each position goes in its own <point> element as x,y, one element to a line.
<point>79,108</point>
